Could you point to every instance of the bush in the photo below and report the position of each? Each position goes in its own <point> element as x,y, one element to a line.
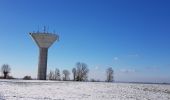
<point>93,80</point>
<point>27,78</point>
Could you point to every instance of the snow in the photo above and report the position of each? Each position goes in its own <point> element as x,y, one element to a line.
<point>60,90</point>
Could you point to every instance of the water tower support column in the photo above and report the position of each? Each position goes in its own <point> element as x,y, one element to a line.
<point>42,65</point>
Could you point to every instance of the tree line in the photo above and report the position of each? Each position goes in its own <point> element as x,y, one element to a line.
<point>79,72</point>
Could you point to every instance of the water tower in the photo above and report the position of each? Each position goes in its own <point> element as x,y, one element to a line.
<point>44,40</point>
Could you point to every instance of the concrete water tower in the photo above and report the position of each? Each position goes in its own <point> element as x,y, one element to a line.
<point>44,40</point>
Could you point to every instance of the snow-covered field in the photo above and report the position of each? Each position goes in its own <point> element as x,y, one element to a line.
<point>52,90</point>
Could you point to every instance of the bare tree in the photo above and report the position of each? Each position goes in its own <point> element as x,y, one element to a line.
<point>5,69</point>
<point>110,75</point>
<point>74,73</point>
<point>66,74</point>
<point>51,75</point>
<point>81,71</point>
<point>57,74</point>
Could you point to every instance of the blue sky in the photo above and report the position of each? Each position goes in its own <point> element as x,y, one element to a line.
<point>132,36</point>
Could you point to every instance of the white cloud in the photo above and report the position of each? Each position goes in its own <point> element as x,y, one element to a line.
<point>133,55</point>
<point>97,67</point>
<point>115,58</point>
<point>152,68</point>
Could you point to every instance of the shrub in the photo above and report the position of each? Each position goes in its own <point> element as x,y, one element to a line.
<point>27,78</point>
